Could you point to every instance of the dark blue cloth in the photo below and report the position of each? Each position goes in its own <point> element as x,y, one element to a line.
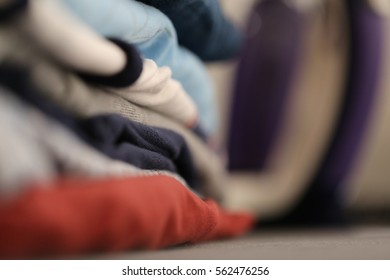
<point>143,146</point>
<point>119,138</point>
<point>201,27</point>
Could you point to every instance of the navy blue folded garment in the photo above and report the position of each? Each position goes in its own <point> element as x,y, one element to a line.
<point>129,74</point>
<point>12,7</point>
<point>264,78</point>
<point>201,27</point>
<point>117,137</point>
<point>324,200</point>
<point>143,146</point>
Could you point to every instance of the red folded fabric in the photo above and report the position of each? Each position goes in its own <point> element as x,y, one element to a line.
<point>74,216</point>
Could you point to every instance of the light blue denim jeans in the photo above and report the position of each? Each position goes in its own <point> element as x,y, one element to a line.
<point>154,35</point>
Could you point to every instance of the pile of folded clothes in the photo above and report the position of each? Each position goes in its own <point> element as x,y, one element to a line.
<point>107,126</point>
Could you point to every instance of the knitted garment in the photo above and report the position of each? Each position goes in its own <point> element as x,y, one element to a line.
<point>201,27</point>
<point>111,63</point>
<point>155,89</point>
<point>35,148</point>
<point>148,148</point>
<point>153,34</point>
<point>83,100</point>
<point>117,137</point>
<point>127,76</point>
<point>80,216</point>
<point>68,40</point>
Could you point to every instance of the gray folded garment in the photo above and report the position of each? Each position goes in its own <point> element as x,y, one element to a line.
<point>33,147</point>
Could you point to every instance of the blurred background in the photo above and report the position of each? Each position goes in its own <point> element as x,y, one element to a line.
<point>337,48</point>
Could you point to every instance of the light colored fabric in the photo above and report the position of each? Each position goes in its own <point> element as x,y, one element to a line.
<point>380,6</point>
<point>34,148</point>
<point>69,40</point>
<point>310,118</point>
<point>155,37</point>
<point>155,89</point>
<point>22,158</point>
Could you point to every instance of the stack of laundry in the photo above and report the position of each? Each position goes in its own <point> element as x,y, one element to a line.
<point>111,137</point>
<point>107,126</point>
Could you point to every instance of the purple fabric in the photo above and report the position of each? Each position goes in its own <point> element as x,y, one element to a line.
<point>265,74</point>
<point>324,200</point>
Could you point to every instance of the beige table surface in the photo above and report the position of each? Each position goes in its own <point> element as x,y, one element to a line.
<point>361,242</point>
